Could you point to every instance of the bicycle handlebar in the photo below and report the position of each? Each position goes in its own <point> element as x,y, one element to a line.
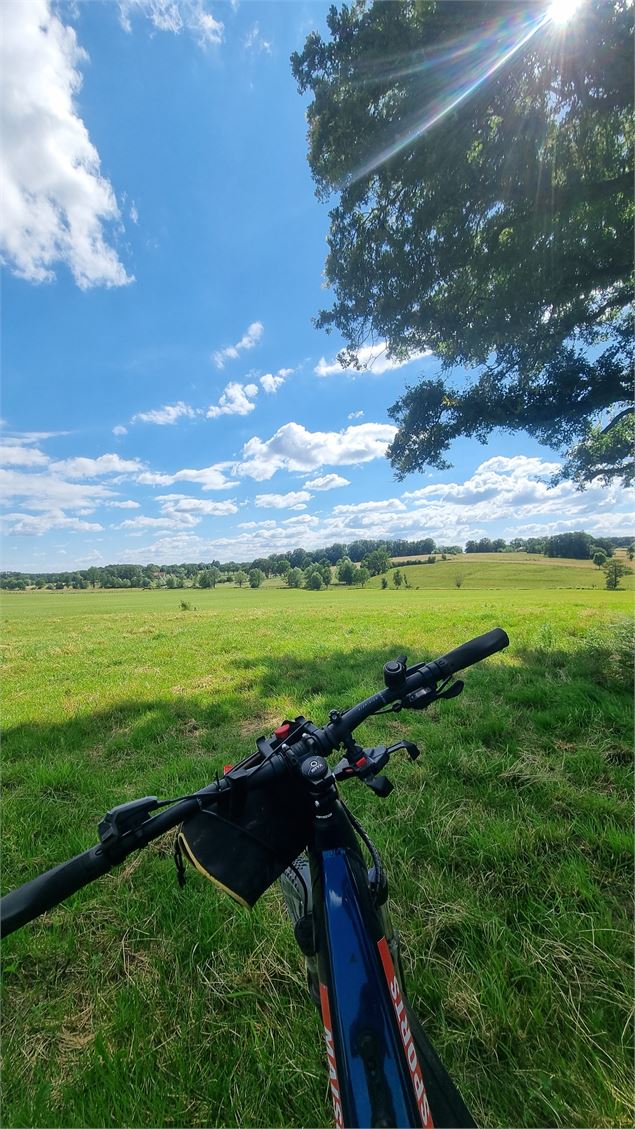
<point>422,676</point>
<point>472,652</point>
<point>49,889</point>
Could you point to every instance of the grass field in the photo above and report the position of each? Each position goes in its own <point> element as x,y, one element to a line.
<point>508,845</point>
<point>505,570</point>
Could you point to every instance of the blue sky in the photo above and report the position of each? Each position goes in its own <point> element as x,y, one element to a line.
<point>165,395</point>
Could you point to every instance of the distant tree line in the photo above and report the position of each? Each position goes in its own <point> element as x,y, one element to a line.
<point>354,563</point>
<point>577,546</point>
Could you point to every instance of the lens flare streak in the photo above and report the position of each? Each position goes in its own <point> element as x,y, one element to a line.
<point>478,73</point>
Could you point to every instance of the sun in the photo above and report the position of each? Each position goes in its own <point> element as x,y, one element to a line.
<point>561,11</point>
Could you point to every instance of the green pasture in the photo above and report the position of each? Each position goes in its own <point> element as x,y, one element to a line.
<point>508,846</point>
<point>504,570</point>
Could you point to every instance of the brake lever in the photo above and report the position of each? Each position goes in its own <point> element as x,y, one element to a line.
<point>380,785</point>
<point>362,763</point>
<point>411,749</point>
<point>452,691</point>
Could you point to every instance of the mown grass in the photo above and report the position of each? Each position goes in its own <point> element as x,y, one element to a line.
<point>508,844</point>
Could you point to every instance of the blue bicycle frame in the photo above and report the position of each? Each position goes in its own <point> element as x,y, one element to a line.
<point>382,1069</point>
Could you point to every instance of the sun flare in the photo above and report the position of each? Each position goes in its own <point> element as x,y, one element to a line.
<point>561,11</point>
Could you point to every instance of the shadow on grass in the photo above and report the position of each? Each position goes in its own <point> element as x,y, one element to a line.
<point>74,769</point>
<point>600,671</point>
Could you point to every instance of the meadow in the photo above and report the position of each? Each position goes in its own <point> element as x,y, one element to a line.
<point>508,846</point>
<point>506,570</point>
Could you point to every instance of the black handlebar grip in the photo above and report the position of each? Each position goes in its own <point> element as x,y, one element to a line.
<point>49,889</point>
<point>472,652</point>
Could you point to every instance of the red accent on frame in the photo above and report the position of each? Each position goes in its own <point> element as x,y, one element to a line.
<point>330,1055</point>
<point>410,1052</point>
<point>282,731</point>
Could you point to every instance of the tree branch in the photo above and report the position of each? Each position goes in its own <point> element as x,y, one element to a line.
<point>616,419</point>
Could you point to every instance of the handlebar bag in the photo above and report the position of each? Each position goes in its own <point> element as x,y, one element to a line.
<point>245,840</point>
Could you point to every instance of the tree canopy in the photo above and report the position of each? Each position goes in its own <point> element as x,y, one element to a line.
<point>614,571</point>
<point>483,160</point>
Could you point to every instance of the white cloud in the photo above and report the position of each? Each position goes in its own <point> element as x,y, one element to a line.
<point>37,524</point>
<point>177,546</point>
<point>272,382</point>
<point>302,522</point>
<point>94,468</point>
<point>520,479</point>
<point>296,449</point>
<point>50,492</point>
<point>370,358</point>
<point>31,436</point>
<point>94,557</point>
<point>249,339</point>
<point>327,482</point>
<point>175,16</point>
<point>15,453</point>
<point>236,400</point>
<point>56,205</point>
<point>208,478</point>
<point>209,29</point>
<point>516,489</point>
<point>125,505</point>
<point>521,490</point>
<point>166,521</point>
<point>599,523</point>
<point>283,501</point>
<point>391,504</point>
<point>182,503</point>
<point>355,415</point>
<point>120,430</point>
<point>168,414</point>
<point>178,511</point>
<point>256,42</point>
